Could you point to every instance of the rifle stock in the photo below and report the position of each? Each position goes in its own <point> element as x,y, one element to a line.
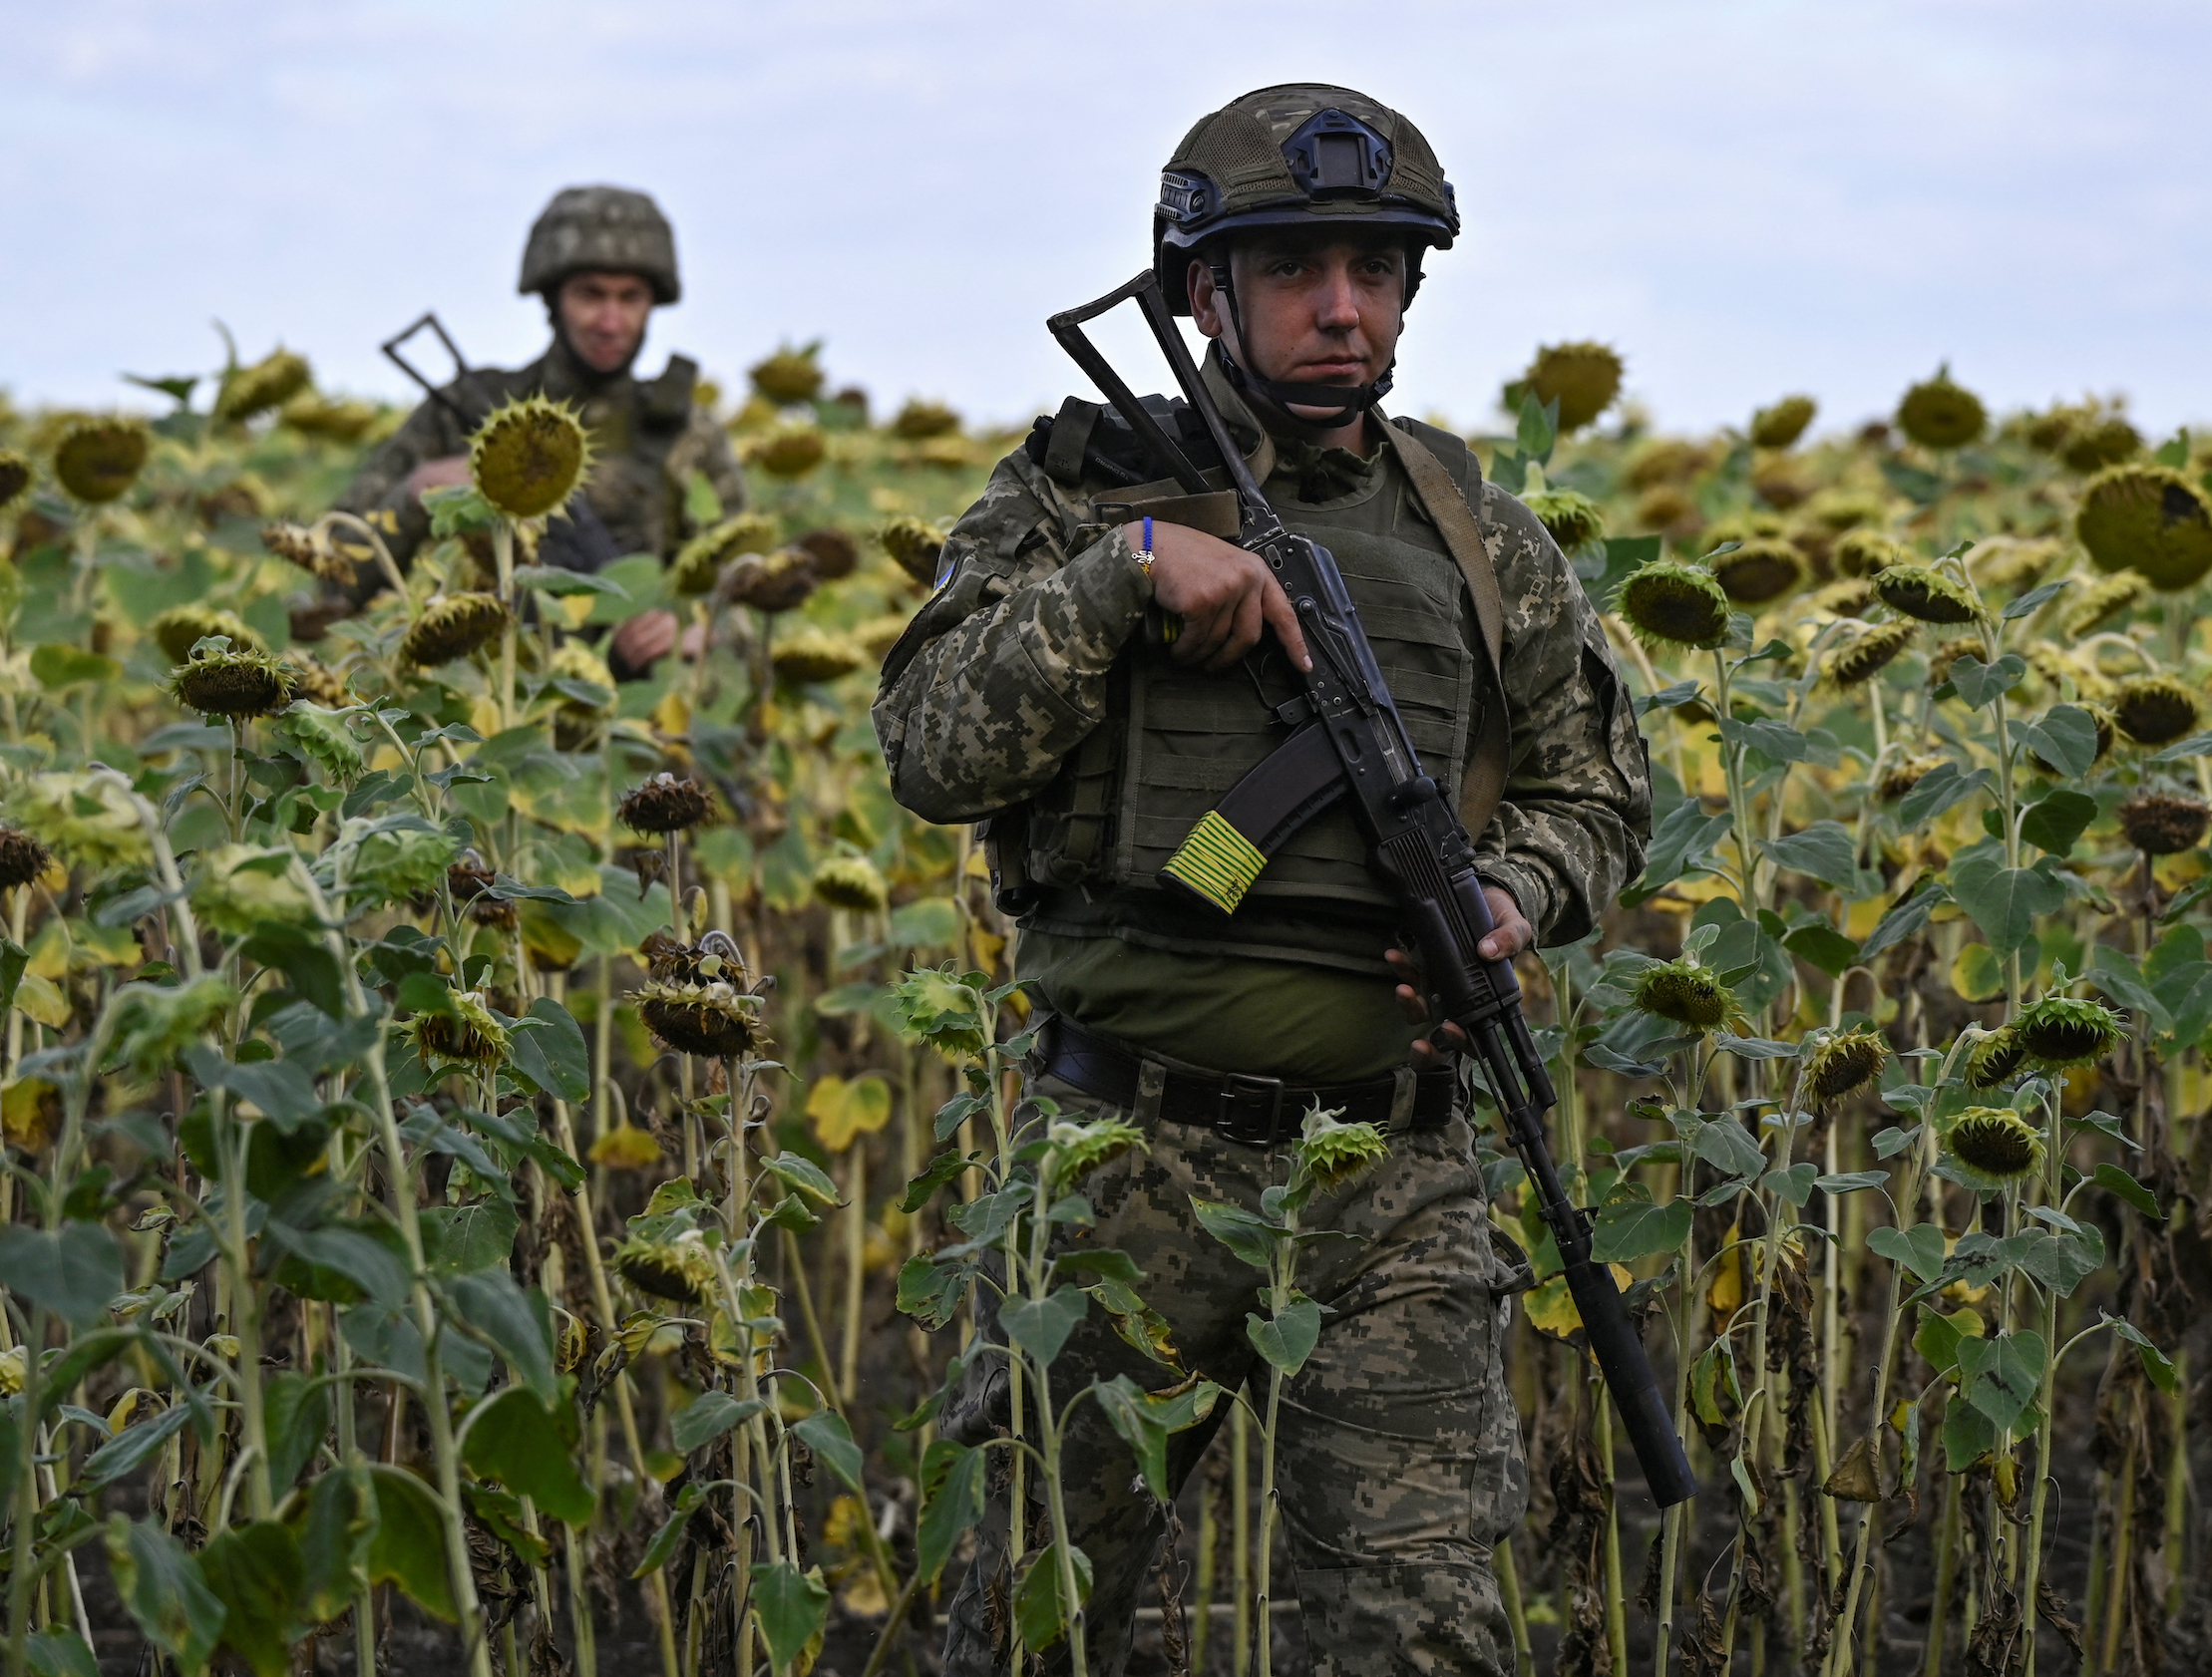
<point>1415,841</point>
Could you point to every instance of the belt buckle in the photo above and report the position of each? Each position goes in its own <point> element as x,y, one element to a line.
<point>1251,1110</point>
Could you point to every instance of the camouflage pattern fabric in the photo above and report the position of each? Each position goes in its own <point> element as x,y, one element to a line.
<point>1006,671</point>
<point>1400,1458</point>
<point>649,435</point>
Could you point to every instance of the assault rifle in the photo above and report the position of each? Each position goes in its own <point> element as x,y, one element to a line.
<point>1347,742</point>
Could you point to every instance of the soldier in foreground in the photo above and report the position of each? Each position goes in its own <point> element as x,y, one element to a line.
<point>1291,225</point>
<point>603,258</point>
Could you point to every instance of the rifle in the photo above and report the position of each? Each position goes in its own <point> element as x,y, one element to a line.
<point>1347,742</point>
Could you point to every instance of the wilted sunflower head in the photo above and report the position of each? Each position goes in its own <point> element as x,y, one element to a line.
<point>155,1023</point>
<point>2062,1031</point>
<point>1864,654</point>
<point>816,655</point>
<point>98,460</point>
<point>453,626</point>
<point>2155,710</point>
<point>1686,993</point>
<point>1334,1152</point>
<point>1844,1059</point>
<point>23,858</point>
<point>15,477</point>
<point>262,387</point>
<point>1941,415</point>
<point>308,549</point>
<point>1780,425</point>
<point>713,1018</point>
<point>2009,562</point>
<point>237,886</point>
<point>701,560</point>
<point>2099,441</point>
<point>915,545</point>
<point>1864,553</point>
<point>790,451</point>
<point>1669,603</point>
<point>529,455</point>
<point>2162,823</point>
<point>779,582</point>
<point>919,420</point>
<point>664,805</point>
<point>1849,597</point>
<point>1583,378</point>
<point>468,1038</point>
<point>1997,1145</point>
<point>676,1267</point>
<point>179,628</point>
<point>789,376</point>
<point>90,819</point>
<point>333,422</point>
<point>1924,592</point>
<point>835,553</point>
<point>216,681</point>
<point>2150,518</point>
<point>1763,569</point>
<point>1080,1146</point>
<point>1571,516</point>
<point>2104,600</point>
<point>850,882</point>
<point>1899,777</point>
<point>1993,1058</point>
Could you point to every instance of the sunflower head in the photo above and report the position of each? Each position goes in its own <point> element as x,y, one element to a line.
<point>1669,603</point>
<point>468,1038</point>
<point>216,681</point>
<point>2162,823</point>
<point>1844,1059</point>
<point>850,882</point>
<point>1571,516</point>
<point>779,582</point>
<point>1864,553</point>
<point>453,626</point>
<point>1924,592</point>
<point>1690,995</point>
<point>2100,439</point>
<point>664,805</point>
<point>2148,519</point>
<point>790,451</point>
<point>15,477</point>
<point>713,1018</point>
<point>676,1267</point>
<point>1994,1057</point>
<point>835,553</point>
<point>237,886</point>
<point>790,376</point>
<point>1763,569</point>
<point>529,455</point>
<point>919,420</point>
<point>1332,1152</point>
<point>262,387</point>
<point>1864,656</point>
<point>1901,777</point>
<point>915,545</point>
<point>308,549</point>
<point>1941,415</point>
<point>2062,1031</point>
<point>23,858</point>
<point>1851,596</point>
<point>1583,378</point>
<point>1997,1145</point>
<point>1780,425</point>
<point>2104,600</point>
<point>89,818</point>
<point>2155,710</point>
<point>699,561</point>
<point>97,460</point>
<point>626,1147</point>
<point>816,655</point>
<point>178,630</point>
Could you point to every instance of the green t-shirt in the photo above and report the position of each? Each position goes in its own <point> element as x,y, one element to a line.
<point>1224,1012</point>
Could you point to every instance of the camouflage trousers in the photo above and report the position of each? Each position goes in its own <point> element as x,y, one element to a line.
<point>1398,1458</point>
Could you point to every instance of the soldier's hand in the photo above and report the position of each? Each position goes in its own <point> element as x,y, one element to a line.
<point>1512,934</point>
<point>641,639</point>
<point>444,472</point>
<point>1226,596</point>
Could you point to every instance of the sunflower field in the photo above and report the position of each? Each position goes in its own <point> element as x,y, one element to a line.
<point>502,1162</point>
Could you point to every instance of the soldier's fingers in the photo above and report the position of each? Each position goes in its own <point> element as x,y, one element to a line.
<point>1201,635</point>
<point>1275,605</point>
<point>1244,623</point>
<point>1411,1005</point>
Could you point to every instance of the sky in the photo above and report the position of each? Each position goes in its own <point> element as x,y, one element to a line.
<point>1745,199</point>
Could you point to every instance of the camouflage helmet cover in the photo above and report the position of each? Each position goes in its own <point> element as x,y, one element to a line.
<point>1297,153</point>
<point>601,227</point>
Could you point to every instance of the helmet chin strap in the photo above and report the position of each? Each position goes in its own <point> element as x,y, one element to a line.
<point>1342,402</point>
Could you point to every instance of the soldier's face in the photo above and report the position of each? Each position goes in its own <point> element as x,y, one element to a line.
<point>602,315</point>
<point>1313,310</point>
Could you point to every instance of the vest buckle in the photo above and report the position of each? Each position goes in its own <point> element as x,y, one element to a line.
<point>1250,1110</point>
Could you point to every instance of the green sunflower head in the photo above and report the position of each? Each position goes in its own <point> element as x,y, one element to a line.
<point>2155,710</point>
<point>2147,518</point>
<point>2063,1031</point>
<point>1844,1059</point>
<point>1669,603</point>
<point>1686,993</point>
<point>1995,1058</point>
<point>1996,1147</point>
<point>1941,415</point>
<point>1866,654</point>
<point>1925,594</point>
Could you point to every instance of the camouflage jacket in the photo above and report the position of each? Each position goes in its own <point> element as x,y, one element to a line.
<point>649,438</point>
<point>1006,671</point>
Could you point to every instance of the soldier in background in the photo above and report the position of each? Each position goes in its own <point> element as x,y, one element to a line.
<point>602,257</point>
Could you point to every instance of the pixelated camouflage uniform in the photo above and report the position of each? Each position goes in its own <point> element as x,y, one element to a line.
<point>648,433</point>
<point>1400,1461</point>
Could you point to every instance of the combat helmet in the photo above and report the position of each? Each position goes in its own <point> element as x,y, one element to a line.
<point>1300,153</point>
<point>610,227</point>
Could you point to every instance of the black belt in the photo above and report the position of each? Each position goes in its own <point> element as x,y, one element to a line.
<point>1258,1111</point>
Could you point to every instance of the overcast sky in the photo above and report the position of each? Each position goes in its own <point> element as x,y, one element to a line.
<point>1745,199</point>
